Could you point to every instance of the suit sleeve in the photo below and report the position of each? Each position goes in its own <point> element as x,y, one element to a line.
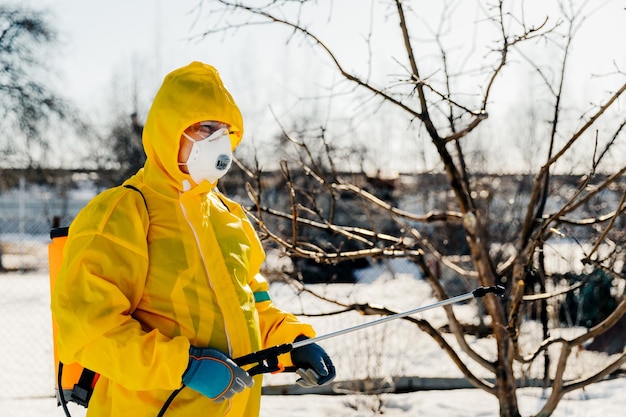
<point>99,285</point>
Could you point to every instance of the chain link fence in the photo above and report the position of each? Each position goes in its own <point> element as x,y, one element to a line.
<point>372,359</point>
<point>27,215</point>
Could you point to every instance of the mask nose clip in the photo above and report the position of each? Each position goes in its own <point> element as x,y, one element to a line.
<point>213,136</point>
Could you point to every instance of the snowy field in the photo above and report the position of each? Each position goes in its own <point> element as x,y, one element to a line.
<point>389,350</point>
<point>605,399</point>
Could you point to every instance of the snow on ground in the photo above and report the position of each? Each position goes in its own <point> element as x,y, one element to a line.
<point>604,399</point>
<point>392,349</point>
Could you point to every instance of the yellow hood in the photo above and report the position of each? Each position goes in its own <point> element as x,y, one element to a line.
<point>188,95</point>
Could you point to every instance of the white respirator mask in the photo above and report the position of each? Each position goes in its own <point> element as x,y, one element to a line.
<point>210,158</point>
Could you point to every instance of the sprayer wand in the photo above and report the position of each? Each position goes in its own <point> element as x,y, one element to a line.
<point>266,360</point>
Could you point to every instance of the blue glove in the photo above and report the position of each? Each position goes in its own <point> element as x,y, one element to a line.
<point>314,365</point>
<point>214,374</point>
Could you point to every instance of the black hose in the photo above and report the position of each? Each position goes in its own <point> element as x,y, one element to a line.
<point>63,401</point>
<point>169,401</point>
<point>60,392</point>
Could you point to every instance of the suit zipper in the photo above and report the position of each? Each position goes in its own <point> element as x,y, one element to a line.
<point>195,234</point>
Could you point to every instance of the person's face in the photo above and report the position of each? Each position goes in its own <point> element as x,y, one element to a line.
<point>196,132</point>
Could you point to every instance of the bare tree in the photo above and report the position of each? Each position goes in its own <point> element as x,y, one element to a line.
<point>127,147</point>
<point>29,103</point>
<point>449,113</point>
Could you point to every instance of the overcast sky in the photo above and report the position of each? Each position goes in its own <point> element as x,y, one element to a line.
<point>102,39</point>
<point>104,42</point>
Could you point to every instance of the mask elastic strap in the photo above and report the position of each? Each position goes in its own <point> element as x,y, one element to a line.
<point>189,138</point>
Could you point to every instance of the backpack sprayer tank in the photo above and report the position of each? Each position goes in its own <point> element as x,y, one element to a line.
<point>74,382</point>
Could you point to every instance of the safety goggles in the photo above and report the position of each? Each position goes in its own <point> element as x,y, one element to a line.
<point>209,130</point>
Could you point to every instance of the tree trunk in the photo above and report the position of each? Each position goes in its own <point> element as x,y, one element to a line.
<point>505,377</point>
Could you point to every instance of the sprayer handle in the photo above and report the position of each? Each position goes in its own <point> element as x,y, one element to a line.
<point>482,291</point>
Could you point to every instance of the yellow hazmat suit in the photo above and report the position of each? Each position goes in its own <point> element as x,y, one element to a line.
<point>141,281</point>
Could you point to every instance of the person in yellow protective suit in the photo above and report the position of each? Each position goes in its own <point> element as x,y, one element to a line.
<point>161,288</point>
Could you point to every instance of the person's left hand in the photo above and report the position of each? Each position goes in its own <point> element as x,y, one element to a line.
<point>314,365</point>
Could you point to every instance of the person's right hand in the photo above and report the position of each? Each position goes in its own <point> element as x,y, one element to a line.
<point>215,375</point>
